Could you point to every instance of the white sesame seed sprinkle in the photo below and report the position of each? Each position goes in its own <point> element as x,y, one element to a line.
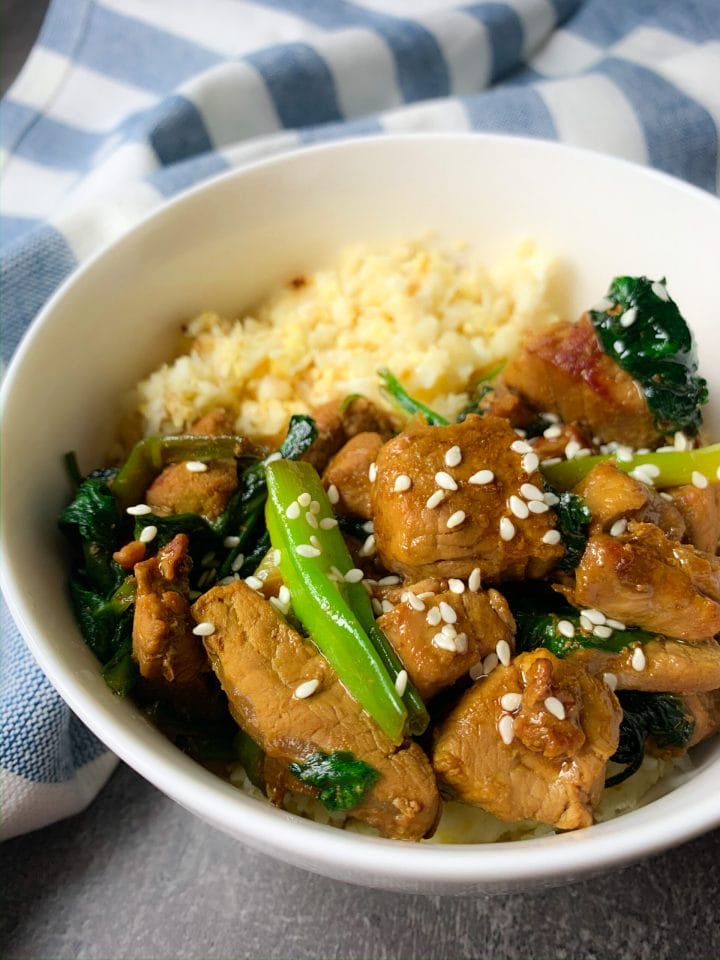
<point>444,643</point>
<point>434,499</point>
<point>619,527</point>
<point>618,346</point>
<point>530,462</point>
<point>629,317</point>
<point>311,520</point>
<point>426,595</point>
<point>507,529</point>
<point>195,466</point>
<point>521,446</point>
<point>602,631</point>
<point>511,701</point>
<point>328,523</point>
<point>551,461</point>
<point>414,601</point>
<point>231,542</point>
<point>660,291</point>
<point>253,582</point>
<point>284,594</point>
<point>681,441</point>
<point>389,581</point>
<point>610,680</point>
<point>537,506</point>
<point>293,510</point>
<point>593,615</point>
<point>448,630</point>
<point>455,585</point>
<point>445,481</point>
<point>148,533</point>
<point>489,663</point>
<point>315,507</point>
<point>461,643</point>
<point>482,477</point>
<point>377,606</point>
<point>474,580</point>
<point>551,537</point>
<point>372,472</point>
<point>615,624</point>
<point>476,670</point>
<point>699,480</point>
<point>518,507</point>
<point>368,547</point>
<point>226,580</point>
<point>566,628</point>
<point>639,473</point>
<point>571,448</point>
<point>455,519</point>
<point>315,542</point>
<point>276,602</point>
<point>638,661</point>
<point>402,483</point>
<point>354,575</point>
<point>368,526</point>
<point>503,652</point>
<point>550,498</point>
<point>531,492</point>
<point>237,562</point>
<point>333,494</point>
<point>434,616</point>
<point>305,499</point>
<point>307,550</point>
<point>552,432</point>
<point>204,629</point>
<point>446,612</point>
<point>401,681</point>
<point>306,689</point>
<point>453,457</point>
<point>586,624</point>
<point>139,510</point>
<point>506,729</point>
<point>386,606</point>
<point>555,707</point>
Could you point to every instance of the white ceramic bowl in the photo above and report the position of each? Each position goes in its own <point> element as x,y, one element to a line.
<point>223,245</point>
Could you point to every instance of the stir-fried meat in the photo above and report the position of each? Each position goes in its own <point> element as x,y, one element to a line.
<point>645,580</point>
<point>162,639</point>
<point>179,490</point>
<point>665,665</point>
<point>705,711</point>
<point>556,444</point>
<point>700,509</point>
<point>439,637</point>
<point>531,742</point>
<point>130,554</point>
<point>448,499</point>
<point>339,421</point>
<point>499,401</point>
<point>260,662</point>
<point>348,473</point>
<point>563,368</point>
<point>613,495</point>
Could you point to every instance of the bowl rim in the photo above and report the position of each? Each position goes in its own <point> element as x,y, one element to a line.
<point>284,835</point>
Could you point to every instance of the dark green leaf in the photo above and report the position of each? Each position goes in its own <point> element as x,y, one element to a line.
<point>341,779</point>
<point>93,524</point>
<point>397,394</point>
<point>573,517</point>
<point>662,716</point>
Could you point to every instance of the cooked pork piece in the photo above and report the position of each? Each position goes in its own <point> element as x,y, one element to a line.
<point>556,445</point>
<point>705,710</point>
<point>439,638</point>
<point>531,742</point>
<point>663,665</point>
<point>700,509</point>
<point>645,580</point>
<point>348,473</point>
<point>162,639</point>
<point>613,495</point>
<point>448,499</point>
<point>563,368</point>
<point>338,421</point>
<point>261,661</point>
<point>498,401</point>
<point>179,490</point>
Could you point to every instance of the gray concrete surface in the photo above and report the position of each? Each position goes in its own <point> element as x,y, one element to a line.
<point>135,876</point>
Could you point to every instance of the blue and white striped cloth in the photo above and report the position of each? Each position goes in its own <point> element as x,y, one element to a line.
<point>123,103</point>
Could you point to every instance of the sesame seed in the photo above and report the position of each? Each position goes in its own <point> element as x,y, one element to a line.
<point>638,660</point>
<point>551,461</point>
<point>377,606</point>
<point>615,624</point>
<point>489,663</point>
<point>444,643</point>
<point>273,457</point>
<point>507,529</point>
<point>445,481</point>
<point>231,542</point>
<point>253,582</point>
<point>354,575</point>
<point>550,416</point>
<point>586,624</point>
<point>448,630</point>
<point>456,586</point>
<point>618,346</point>
<point>681,441</point>
<point>476,670</point>
<point>531,492</point>
<point>553,432</point>
<point>311,520</point>
<point>148,533</point>
<point>511,701</point>
<point>659,290</point>
<point>237,562</point>
<point>518,507</point>
<point>474,580</point>
<point>699,480</point>
<point>619,527</point>
<point>521,446</point>
<point>666,496</point>
<point>639,473</point>
<point>279,605</point>
<point>530,462</point>
<point>328,523</point>
<point>434,499</point>
<point>506,729</point>
<point>629,317</point>
<point>571,448</point>
<point>566,628</point>
<point>262,575</point>
<point>305,499</point>
<point>386,606</point>
<point>651,469</point>
<point>453,457</point>
<point>611,680</point>
<point>482,477</point>
<point>426,595</point>
<point>583,452</point>
<point>389,581</point>
<point>550,498</point>
<point>551,537</point>
<point>284,594</point>
<point>461,643</point>
<point>139,510</point>
<point>446,612</point>
<point>503,652</point>
<point>456,519</point>
<point>335,574</point>
<point>555,707</point>
<point>368,526</point>
<point>204,629</point>
<point>433,616</point>
<point>402,483</point>
<point>372,472</point>
<point>401,681</point>
<point>537,506</point>
<point>594,616</point>
<point>293,511</point>
<point>368,548</point>
<point>602,631</point>
<point>226,580</point>
<point>520,433</point>
<point>306,689</point>
<point>314,507</point>
<point>307,551</point>
<point>195,466</point>
<point>414,601</point>
<point>315,542</point>
<point>333,494</point>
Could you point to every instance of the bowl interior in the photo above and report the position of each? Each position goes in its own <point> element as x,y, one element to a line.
<point>225,245</point>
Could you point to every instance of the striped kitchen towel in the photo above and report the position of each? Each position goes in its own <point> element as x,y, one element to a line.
<point>123,103</point>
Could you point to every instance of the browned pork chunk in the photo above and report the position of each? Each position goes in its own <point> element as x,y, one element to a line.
<point>705,711</point>
<point>613,495</point>
<point>339,420</point>
<point>531,742</point>
<point>449,499</point>
<point>162,639</point>
<point>348,473</point>
<point>439,637</point>
<point>261,662</point>
<point>563,368</point>
<point>700,509</point>
<point>645,580</point>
